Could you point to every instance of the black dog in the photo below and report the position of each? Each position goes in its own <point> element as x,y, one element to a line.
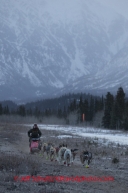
<point>85,156</point>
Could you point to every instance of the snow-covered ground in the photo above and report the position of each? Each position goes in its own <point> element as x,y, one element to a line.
<point>110,135</point>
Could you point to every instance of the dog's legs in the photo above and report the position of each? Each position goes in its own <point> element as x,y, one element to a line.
<point>84,162</point>
<point>43,152</point>
<point>59,159</point>
<point>56,157</point>
<point>47,155</point>
<point>70,160</point>
<point>87,163</point>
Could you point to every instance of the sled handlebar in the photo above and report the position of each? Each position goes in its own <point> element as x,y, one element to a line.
<point>35,139</point>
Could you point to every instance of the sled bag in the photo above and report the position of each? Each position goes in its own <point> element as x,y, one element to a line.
<point>34,144</point>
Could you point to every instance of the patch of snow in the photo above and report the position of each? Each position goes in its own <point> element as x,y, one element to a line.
<point>110,135</point>
<point>64,136</point>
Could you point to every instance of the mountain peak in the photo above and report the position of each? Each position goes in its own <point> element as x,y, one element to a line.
<point>61,46</point>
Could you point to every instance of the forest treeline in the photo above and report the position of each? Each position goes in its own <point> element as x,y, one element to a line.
<point>83,106</point>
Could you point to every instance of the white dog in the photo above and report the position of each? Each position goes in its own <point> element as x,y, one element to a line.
<point>60,158</point>
<point>69,156</point>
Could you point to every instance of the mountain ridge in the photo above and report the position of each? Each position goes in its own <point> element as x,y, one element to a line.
<point>47,47</point>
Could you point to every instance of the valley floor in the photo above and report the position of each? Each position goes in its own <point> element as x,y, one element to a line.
<point>15,160</point>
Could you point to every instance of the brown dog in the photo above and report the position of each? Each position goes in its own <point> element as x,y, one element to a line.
<point>52,153</point>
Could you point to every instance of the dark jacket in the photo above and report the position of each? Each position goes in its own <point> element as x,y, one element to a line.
<point>34,133</point>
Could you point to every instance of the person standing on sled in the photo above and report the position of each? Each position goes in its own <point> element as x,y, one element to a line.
<point>34,133</point>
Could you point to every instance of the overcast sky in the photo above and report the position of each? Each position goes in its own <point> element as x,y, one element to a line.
<point>119,5</point>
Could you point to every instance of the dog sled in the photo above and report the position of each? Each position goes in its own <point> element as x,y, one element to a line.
<point>35,145</point>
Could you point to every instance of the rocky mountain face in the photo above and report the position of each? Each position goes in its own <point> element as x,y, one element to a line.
<point>53,47</point>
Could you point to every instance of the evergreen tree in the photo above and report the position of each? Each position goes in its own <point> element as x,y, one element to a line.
<point>86,109</point>
<point>109,102</point>
<point>81,109</point>
<point>29,112</point>
<point>120,107</point>
<point>113,117</point>
<point>59,114</point>
<point>6,110</point>
<point>72,106</point>
<point>1,109</point>
<point>102,103</point>
<point>64,113</point>
<point>91,111</point>
<point>125,123</point>
<point>97,104</point>
<point>21,110</point>
<point>37,112</point>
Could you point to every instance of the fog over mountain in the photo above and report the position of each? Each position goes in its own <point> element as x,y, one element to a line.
<point>120,6</point>
<point>52,47</point>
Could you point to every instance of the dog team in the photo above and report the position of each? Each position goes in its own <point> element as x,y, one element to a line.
<point>64,155</point>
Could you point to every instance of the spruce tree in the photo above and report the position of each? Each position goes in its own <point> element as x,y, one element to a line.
<point>21,110</point>
<point>86,109</point>
<point>81,109</point>
<point>113,117</point>
<point>125,122</point>
<point>91,109</point>
<point>120,107</point>
<point>109,102</point>
<point>1,109</point>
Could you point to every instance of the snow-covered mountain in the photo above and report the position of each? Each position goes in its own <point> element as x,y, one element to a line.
<point>59,46</point>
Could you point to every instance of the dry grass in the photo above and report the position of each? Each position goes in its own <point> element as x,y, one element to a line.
<point>9,132</point>
<point>26,164</point>
<point>18,164</point>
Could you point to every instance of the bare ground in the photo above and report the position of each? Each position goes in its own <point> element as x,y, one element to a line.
<point>15,160</point>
